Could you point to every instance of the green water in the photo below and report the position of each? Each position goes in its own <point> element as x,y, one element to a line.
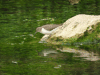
<point>19,50</point>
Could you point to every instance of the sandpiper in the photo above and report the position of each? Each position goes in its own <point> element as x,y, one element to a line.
<point>45,29</point>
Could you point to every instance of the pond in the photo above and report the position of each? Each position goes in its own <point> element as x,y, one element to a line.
<point>22,54</point>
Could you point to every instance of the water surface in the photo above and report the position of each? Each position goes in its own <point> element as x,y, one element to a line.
<point>20,52</point>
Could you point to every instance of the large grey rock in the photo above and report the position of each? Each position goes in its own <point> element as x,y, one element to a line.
<point>76,26</point>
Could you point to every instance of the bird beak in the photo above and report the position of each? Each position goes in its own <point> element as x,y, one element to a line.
<point>35,33</point>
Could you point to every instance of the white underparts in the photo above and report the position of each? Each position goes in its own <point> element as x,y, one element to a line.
<point>44,31</point>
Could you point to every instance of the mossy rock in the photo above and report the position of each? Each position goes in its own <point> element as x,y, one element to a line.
<point>89,34</point>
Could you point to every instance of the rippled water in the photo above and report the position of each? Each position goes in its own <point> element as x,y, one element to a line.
<point>20,52</point>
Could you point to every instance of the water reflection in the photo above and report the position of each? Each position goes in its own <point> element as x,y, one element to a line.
<point>87,56</point>
<point>91,56</point>
<point>53,54</point>
<point>45,52</point>
<point>50,53</point>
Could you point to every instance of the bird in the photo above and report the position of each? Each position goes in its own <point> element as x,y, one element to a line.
<point>47,29</point>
